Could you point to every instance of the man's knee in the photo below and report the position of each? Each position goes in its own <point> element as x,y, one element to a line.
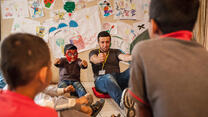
<point>109,79</point>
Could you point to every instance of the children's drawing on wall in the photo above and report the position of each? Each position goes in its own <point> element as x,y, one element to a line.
<point>40,31</point>
<point>79,3</point>
<point>24,25</point>
<point>81,31</point>
<point>109,27</point>
<point>140,26</point>
<point>125,9</point>
<point>58,15</point>
<point>14,9</point>
<point>48,3</point>
<point>145,7</point>
<point>120,43</point>
<point>124,36</point>
<point>78,41</point>
<point>69,7</point>
<point>35,8</point>
<point>89,25</point>
<point>105,8</point>
<point>70,23</point>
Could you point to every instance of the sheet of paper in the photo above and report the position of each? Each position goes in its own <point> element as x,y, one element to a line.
<point>24,25</point>
<point>48,4</point>
<point>140,26</point>
<point>14,9</point>
<point>81,30</point>
<point>123,38</point>
<point>125,9</point>
<point>105,8</point>
<point>36,9</point>
<point>110,27</point>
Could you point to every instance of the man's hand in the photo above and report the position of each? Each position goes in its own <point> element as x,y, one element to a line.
<point>69,89</point>
<point>84,63</point>
<point>101,57</point>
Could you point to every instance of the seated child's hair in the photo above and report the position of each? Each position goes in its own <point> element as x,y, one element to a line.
<point>69,47</point>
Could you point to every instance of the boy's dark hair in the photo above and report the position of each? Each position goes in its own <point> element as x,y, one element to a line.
<point>174,15</point>
<point>69,47</point>
<point>22,56</point>
<point>103,34</point>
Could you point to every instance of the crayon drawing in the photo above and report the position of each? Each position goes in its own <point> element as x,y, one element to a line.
<point>81,31</point>
<point>14,9</point>
<point>105,8</point>
<point>48,3</point>
<point>24,25</point>
<point>125,9</point>
<point>35,8</point>
<point>109,27</point>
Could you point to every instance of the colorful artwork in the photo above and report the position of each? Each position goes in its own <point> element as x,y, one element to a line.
<point>125,9</point>
<point>58,15</point>
<point>89,25</point>
<point>110,28</point>
<point>35,8</point>
<point>77,41</point>
<point>106,8</point>
<point>14,9</point>
<point>48,3</point>
<point>81,31</point>
<point>145,7</point>
<point>40,31</point>
<point>124,36</point>
<point>79,3</point>
<point>71,23</point>
<point>140,26</point>
<point>24,25</point>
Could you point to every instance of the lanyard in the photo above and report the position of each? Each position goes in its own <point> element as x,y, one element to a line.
<point>182,35</point>
<point>105,59</point>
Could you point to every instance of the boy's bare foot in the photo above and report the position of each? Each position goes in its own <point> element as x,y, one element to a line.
<point>69,89</point>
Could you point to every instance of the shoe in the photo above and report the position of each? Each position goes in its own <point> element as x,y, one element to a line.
<point>128,103</point>
<point>97,107</point>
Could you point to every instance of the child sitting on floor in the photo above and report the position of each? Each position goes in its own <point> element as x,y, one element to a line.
<point>69,70</point>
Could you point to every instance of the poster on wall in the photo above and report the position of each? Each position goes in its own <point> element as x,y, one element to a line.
<point>48,4</point>
<point>79,3</point>
<point>125,9</point>
<point>140,27</point>
<point>122,39</point>
<point>58,15</point>
<point>35,8</point>
<point>81,30</point>
<point>24,25</point>
<point>105,8</point>
<point>14,9</point>
<point>109,27</point>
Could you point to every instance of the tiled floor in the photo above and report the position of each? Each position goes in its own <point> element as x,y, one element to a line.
<point>110,106</point>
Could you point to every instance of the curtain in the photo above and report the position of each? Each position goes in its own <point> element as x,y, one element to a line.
<point>201,27</point>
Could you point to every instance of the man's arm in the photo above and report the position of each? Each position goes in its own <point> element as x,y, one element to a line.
<point>125,57</point>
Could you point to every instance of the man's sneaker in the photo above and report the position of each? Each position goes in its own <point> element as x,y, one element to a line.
<point>128,103</point>
<point>97,107</point>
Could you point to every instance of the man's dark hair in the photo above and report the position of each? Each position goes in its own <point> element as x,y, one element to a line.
<point>22,56</point>
<point>69,47</point>
<point>174,15</point>
<point>103,34</point>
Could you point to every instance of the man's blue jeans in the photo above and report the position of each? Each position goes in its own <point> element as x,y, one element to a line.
<point>113,84</point>
<point>79,88</point>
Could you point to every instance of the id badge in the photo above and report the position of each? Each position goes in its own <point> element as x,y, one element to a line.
<point>102,72</point>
